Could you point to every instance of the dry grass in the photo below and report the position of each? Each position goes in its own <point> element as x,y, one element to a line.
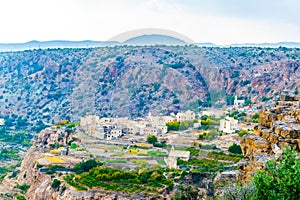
<point>53,159</point>
<point>136,151</point>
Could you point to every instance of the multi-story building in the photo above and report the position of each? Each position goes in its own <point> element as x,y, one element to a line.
<point>228,125</point>
<point>185,116</point>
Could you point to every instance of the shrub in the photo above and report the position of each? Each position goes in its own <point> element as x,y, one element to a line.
<point>24,188</point>
<point>187,192</point>
<point>241,133</point>
<point>212,134</point>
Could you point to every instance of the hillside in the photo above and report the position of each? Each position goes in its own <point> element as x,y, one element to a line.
<point>119,81</point>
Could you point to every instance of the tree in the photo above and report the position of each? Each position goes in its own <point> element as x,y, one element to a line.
<point>55,183</point>
<point>255,116</point>
<point>151,139</point>
<point>173,126</point>
<point>86,166</point>
<point>279,180</point>
<point>235,148</point>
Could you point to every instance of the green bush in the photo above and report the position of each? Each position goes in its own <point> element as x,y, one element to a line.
<point>279,180</point>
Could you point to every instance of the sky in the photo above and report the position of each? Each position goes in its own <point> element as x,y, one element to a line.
<point>217,21</point>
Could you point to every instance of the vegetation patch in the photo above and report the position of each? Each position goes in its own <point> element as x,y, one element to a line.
<point>70,180</point>
<point>223,156</point>
<point>111,179</point>
<point>140,162</point>
<point>119,154</point>
<point>203,165</point>
<point>23,188</point>
<point>161,162</point>
<point>157,154</point>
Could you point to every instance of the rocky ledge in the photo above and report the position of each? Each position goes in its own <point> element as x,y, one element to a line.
<point>279,126</point>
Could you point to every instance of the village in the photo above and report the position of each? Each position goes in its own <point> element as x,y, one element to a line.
<point>152,140</point>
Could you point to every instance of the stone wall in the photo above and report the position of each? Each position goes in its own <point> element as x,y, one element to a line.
<point>279,126</point>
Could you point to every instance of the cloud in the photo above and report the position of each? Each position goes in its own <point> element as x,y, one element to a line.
<point>219,21</point>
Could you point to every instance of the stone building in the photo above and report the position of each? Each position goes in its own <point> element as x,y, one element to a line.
<point>91,125</point>
<point>171,160</point>
<point>185,116</point>
<point>148,130</point>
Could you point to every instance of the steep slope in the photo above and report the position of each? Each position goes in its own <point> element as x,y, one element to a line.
<point>131,81</point>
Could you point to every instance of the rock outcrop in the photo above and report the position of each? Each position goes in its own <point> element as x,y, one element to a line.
<point>279,126</point>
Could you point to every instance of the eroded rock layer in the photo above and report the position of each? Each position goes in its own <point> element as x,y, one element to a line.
<point>279,126</point>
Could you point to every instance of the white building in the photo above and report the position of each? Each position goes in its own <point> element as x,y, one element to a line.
<point>228,125</point>
<point>238,103</point>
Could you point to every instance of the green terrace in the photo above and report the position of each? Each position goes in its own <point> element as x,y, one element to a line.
<point>110,179</point>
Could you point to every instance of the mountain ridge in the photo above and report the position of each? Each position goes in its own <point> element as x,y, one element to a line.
<point>55,84</point>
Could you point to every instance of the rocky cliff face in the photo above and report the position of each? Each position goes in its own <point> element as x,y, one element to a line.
<point>279,126</point>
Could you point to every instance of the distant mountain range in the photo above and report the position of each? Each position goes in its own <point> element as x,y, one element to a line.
<point>48,44</point>
<point>273,45</point>
<point>153,39</point>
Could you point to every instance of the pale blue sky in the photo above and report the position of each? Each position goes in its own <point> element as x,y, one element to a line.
<point>217,21</point>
